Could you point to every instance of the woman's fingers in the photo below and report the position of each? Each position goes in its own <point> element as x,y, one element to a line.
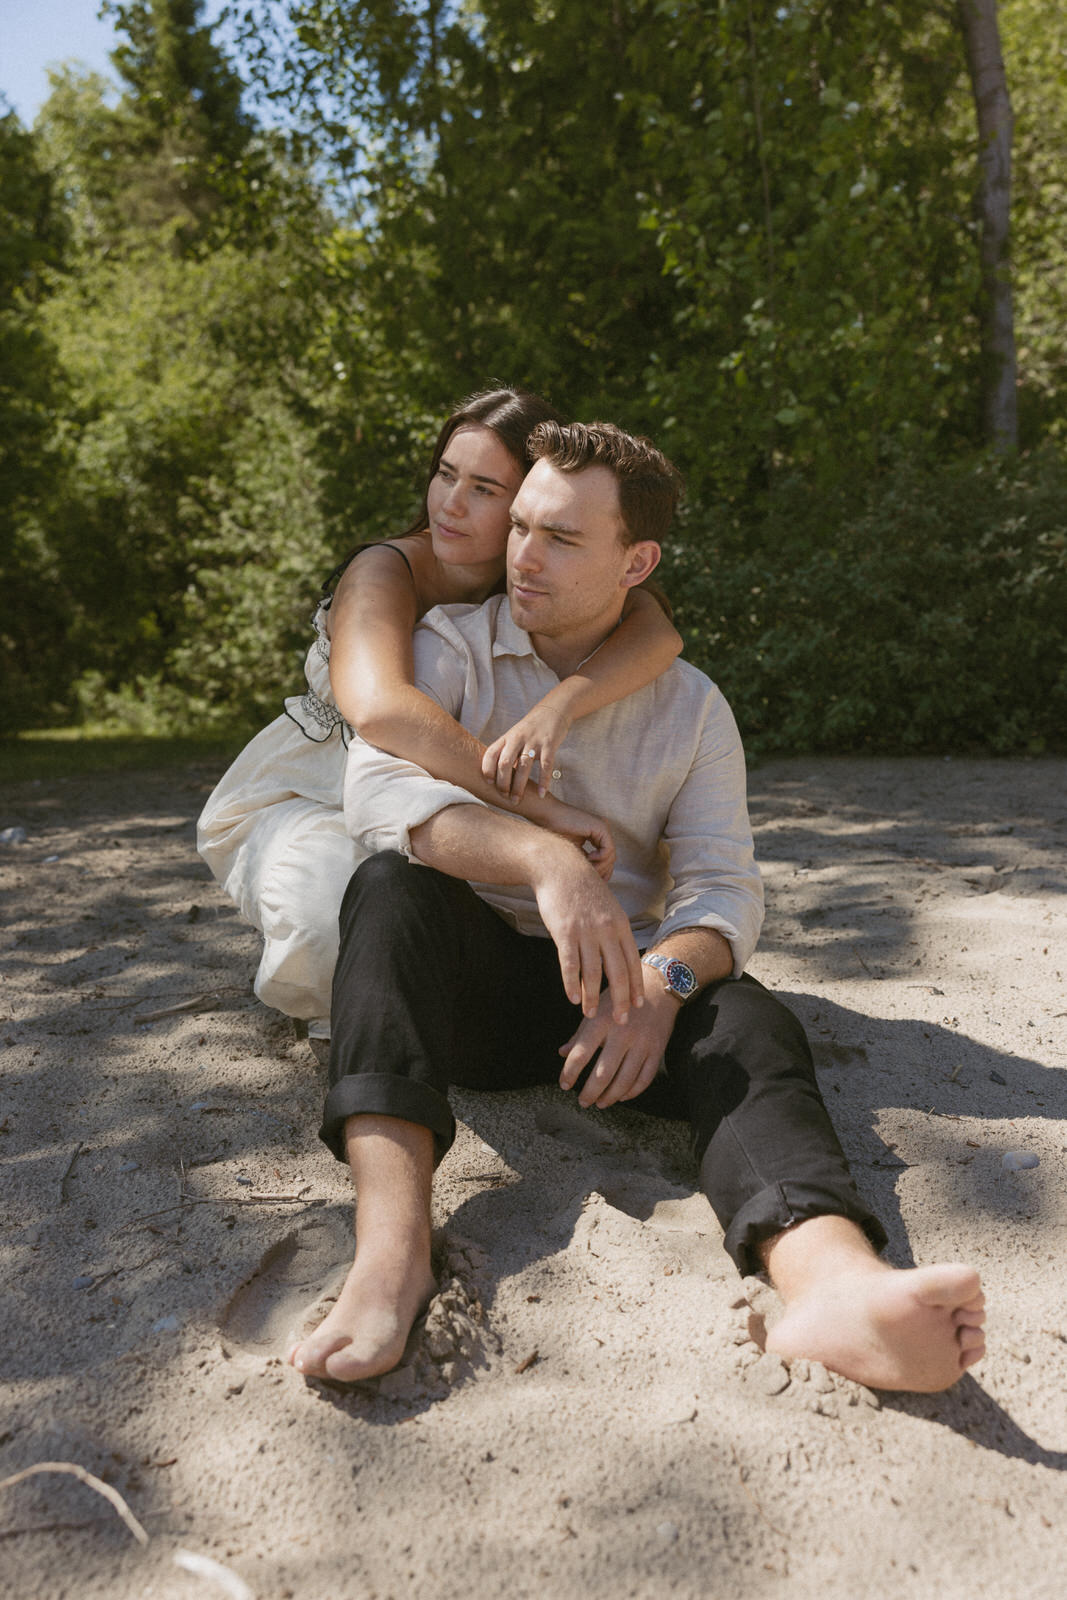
<point>546,761</point>
<point>523,767</point>
<point>490,759</point>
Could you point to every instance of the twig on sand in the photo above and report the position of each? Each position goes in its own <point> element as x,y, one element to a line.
<point>256,1198</point>
<point>63,1195</point>
<point>72,1469</point>
<point>202,1002</point>
<point>200,1566</point>
<point>752,1497</point>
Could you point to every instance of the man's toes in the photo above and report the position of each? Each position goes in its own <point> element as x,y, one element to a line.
<point>345,1366</point>
<point>952,1285</point>
<point>965,1317</point>
<point>312,1355</point>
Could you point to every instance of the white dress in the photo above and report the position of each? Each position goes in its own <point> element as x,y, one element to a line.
<point>273,834</point>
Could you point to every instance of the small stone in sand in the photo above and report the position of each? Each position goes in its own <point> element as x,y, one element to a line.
<point>1020,1161</point>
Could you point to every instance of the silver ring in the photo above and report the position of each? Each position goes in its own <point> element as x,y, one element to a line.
<point>529,755</point>
<point>556,773</point>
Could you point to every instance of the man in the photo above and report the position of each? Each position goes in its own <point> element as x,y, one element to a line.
<point>441,982</point>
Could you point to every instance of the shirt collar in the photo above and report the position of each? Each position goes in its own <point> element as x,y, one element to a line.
<point>511,640</point>
<point>508,638</point>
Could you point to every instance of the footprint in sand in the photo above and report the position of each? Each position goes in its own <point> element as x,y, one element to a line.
<point>574,1128</point>
<point>299,1278</point>
<point>308,1265</point>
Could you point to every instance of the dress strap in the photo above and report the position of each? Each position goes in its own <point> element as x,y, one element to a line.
<point>375,544</point>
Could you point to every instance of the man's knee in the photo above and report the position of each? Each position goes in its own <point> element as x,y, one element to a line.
<point>739,1018</point>
<point>388,896</point>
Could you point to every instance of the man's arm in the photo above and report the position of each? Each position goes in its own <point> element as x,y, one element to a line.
<point>590,930</point>
<point>631,1053</point>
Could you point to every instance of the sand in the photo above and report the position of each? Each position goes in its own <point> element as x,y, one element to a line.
<point>583,1413</point>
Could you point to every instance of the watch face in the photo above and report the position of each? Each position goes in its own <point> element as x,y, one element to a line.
<point>680,978</point>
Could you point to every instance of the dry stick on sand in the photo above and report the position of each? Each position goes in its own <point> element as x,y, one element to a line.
<point>63,1195</point>
<point>73,1470</point>
<point>201,1566</point>
<point>202,1002</point>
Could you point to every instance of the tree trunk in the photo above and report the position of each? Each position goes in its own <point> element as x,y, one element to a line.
<point>985,62</point>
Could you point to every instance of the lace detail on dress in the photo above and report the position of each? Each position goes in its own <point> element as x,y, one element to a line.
<point>315,716</point>
<point>324,716</point>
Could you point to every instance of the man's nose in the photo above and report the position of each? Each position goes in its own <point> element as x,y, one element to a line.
<point>524,554</point>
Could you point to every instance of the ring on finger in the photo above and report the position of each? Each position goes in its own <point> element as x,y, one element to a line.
<point>529,755</point>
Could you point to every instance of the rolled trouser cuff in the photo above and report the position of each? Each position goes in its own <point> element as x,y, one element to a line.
<point>782,1205</point>
<point>385,1094</point>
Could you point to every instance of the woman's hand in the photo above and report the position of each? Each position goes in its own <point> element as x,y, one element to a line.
<point>535,738</point>
<point>581,828</point>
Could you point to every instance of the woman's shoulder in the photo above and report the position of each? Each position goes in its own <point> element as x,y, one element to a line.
<point>410,547</point>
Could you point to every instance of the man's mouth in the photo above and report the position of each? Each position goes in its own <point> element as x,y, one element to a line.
<point>524,592</point>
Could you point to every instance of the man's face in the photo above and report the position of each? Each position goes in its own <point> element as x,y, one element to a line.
<point>568,569</point>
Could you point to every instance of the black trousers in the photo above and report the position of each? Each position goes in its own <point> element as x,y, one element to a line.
<point>432,987</point>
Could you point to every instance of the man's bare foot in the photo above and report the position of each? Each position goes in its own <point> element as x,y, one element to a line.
<point>365,1333</point>
<point>917,1329</point>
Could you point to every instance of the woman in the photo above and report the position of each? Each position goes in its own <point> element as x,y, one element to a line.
<point>273,831</point>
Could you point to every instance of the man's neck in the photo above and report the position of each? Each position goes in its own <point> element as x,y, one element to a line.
<point>565,654</point>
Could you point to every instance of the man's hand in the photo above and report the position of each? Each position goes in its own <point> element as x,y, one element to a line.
<point>631,1053</point>
<point>590,930</point>
<point>581,828</point>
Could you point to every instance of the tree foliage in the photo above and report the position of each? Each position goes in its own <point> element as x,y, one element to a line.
<point>748,229</point>
<point>33,238</point>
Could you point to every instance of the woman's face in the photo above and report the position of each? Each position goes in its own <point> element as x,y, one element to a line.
<point>469,499</point>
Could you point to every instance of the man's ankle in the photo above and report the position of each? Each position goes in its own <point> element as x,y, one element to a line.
<point>817,1248</point>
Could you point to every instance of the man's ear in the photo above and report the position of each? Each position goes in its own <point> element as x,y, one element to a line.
<point>642,559</point>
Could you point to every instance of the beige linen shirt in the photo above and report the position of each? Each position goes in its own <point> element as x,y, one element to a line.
<point>664,768</point>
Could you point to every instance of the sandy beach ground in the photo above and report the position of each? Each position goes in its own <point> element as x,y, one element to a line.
<point>582,1413</point>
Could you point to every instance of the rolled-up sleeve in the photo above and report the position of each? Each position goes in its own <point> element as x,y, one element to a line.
<point>385,796</point>
<point>716,882</point>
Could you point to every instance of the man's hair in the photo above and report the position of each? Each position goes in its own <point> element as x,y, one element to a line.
<point>649,486</point>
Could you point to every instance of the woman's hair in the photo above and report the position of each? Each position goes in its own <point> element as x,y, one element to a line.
<point>512,414</point>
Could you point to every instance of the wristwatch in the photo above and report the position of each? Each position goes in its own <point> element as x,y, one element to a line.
<point>680,979</point>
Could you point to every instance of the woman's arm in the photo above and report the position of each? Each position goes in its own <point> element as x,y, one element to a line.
<point>641,648</point>
<point>371,621</point>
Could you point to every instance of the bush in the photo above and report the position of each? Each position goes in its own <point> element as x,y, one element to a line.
<point>930,618</point>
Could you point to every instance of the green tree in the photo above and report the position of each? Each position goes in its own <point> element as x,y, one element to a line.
<point>33,238</point>
<point>806,187</point>
<point>1035,48</point>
